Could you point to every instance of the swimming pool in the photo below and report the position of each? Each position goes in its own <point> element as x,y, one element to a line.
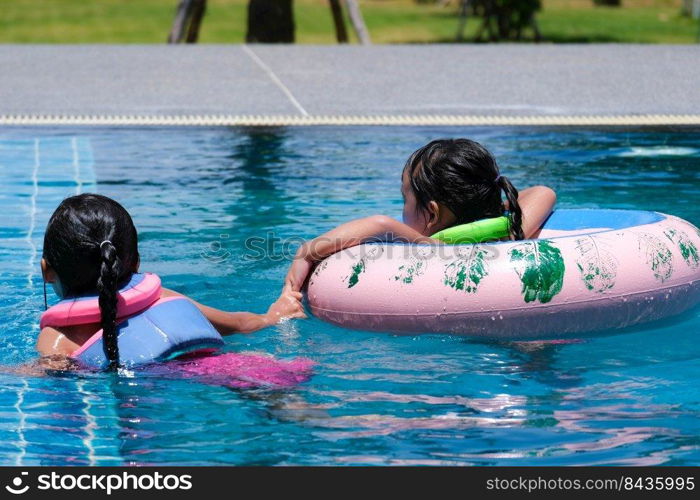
<point>197,195</point>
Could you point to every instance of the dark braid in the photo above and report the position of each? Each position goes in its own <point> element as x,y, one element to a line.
<point>91,244</point>
<point>107,285</point>
<point>463,176</point>
<point>516,214</point>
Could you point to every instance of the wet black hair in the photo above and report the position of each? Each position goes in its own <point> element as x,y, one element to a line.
<point>91,244</point>
<point>463,176</point>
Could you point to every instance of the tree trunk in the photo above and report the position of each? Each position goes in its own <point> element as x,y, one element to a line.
<point>196,20</point>
<point>270,21</point>
<point>187,21</point>
<point>341,34</point>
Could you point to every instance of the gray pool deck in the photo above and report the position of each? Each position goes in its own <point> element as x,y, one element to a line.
<point>262,84</point>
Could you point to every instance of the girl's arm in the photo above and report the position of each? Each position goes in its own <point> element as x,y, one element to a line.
<point>287,306</point>
<point>356,232</point>
<point>41,367</point>
<point>536,203</point>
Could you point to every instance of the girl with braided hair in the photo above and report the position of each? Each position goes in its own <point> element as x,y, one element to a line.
<point>91,249</point>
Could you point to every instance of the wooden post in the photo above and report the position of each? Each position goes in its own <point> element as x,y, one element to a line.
<point>341,34</point>
<point>196,20</point>
<point>178,27</point>
<point>187,21</point>
<point>358,23</point>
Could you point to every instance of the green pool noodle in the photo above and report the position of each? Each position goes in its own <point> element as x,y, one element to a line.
<point>475,232</point>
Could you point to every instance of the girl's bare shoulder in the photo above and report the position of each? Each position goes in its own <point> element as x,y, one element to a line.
<point>64,341</point>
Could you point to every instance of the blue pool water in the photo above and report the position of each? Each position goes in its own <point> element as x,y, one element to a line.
<point>198,194</point>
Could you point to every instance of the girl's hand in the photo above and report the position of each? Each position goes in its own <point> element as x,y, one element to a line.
<point>288,305</point>
<point>226,323</point>
<point>298,272</point>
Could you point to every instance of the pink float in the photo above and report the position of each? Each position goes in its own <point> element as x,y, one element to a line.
<point>141,292</point>
<point>590,270</point>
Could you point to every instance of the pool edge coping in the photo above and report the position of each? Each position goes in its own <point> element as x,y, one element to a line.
<point>346,120</point>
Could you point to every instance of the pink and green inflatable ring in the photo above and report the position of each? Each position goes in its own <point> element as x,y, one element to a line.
<point>590,270</point>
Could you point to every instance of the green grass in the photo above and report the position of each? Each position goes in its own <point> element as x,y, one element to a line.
<point>389,21</point>
<point>659,22</point>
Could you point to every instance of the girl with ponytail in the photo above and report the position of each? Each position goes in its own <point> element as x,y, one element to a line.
<point>90,248</point>
<point>445,183</point>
